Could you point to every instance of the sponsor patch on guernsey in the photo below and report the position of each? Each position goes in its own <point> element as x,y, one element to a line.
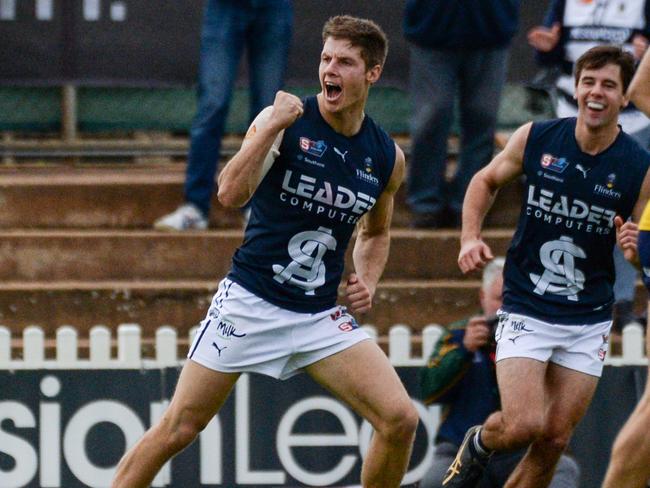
<point>315,148</point>
<point>553,163</point>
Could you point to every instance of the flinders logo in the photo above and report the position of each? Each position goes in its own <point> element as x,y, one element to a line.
<point>366,175</point>
<point>607,190</point>
<point>368,164</point>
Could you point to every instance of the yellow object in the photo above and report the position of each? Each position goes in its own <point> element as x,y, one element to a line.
<point>645,218</point>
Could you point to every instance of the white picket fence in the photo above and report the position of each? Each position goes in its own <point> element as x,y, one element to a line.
<point>129,350</point>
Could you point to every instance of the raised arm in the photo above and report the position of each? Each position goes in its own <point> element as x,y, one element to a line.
<point>243,173</point>
<point>481,191</point>
<point>373,242</point>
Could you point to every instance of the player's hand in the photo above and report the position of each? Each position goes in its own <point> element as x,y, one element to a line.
<point>358,294</point>
<point>640,45</point>
<point>544,39</point>
<point>627,236</point>
<point>474,254</point>
<point>286,109</point>
<point>477,333</point>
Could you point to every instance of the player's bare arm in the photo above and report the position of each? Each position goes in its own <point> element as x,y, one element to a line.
<point>639,91</point>
<point>373,242</point>
<point>480,195</point>
<point>242,174</point>
<point>627,233</point>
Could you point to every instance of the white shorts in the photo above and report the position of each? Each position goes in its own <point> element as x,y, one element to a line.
<point>579,347</point>
<point>244,333</point>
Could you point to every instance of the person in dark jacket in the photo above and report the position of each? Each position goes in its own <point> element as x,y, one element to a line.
<point>457,49</point>
<point>460,376</point>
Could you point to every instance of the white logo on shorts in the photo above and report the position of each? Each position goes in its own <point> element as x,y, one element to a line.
<point>561,277</point>
<point>307,270</point>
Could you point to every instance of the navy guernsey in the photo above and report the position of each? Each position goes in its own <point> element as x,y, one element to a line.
<point>559,266</point>
<point>305,209</point>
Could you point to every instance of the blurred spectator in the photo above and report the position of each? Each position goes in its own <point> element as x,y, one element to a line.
<point>461,376</point>
<point>570,28</point>
<point>457,48</point>
<point>263,28</point>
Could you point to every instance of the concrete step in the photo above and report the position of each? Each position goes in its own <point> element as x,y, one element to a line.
<point>133,196</point>
<point>128,196</point>
<point>87,255</point>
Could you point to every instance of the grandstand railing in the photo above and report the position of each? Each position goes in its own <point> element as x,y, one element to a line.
<point>166,347</point>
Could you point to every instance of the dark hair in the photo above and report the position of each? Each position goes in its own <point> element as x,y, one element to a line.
<point>362,33</point>
<point>599,56</point>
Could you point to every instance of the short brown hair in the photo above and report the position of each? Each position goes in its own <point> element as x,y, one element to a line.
<point>362,33</point>
<point>599,56</point>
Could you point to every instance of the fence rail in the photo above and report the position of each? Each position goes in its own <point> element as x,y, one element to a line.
<point>166,347</point>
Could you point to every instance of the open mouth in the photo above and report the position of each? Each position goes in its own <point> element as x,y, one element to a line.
<point>332,90</point>
<point>597,106</point>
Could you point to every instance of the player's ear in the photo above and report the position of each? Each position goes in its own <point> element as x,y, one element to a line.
<point>626,101</point>
<point>373,74</point>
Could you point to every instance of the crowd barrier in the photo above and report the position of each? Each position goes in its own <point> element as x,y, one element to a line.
<point>129,347</point>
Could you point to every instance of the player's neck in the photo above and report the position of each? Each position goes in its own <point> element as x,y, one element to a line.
<point>347,121</point>
<point>595,140</point>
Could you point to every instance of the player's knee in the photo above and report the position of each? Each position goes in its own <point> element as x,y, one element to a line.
<point>400,423</point>
<point>524,432</point>
<point>179,433</point>
<point>186,433</point>
<point>554,443</point>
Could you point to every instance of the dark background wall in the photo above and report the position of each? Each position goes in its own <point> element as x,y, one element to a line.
<point>156,42</point>
<point>82,409</point>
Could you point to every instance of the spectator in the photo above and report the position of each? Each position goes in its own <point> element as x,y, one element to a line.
<point>570,28</point>
<point>264,28</point>
<point>457,48</point>
<point>461,376</point>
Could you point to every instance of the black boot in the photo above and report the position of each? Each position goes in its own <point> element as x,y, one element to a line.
<point>468,467</point>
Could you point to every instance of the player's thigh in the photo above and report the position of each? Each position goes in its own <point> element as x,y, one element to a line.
<point>569,393</point>
<point>521,387</point>
<point>363,377</point>
<point>200,393</point>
